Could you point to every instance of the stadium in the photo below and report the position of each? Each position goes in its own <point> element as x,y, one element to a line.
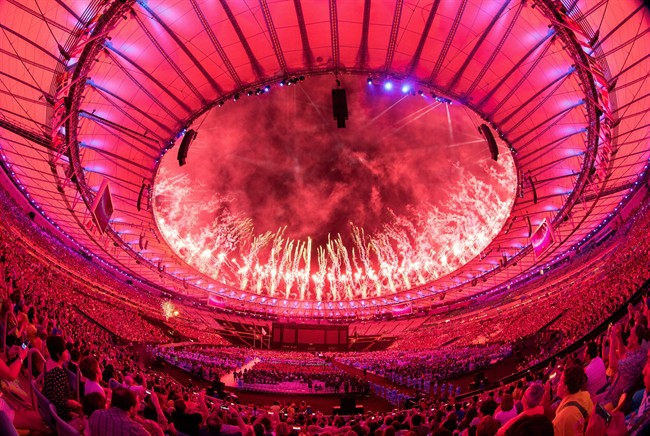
<point>315,217</point>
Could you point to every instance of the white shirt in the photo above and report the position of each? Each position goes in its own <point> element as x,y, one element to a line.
<point>596,377</point>
<point>91,387</point>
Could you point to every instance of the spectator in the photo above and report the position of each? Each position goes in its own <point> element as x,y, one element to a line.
<point>185,422</point>
<point>595,369</point>
<point>506,410</point>
<point>10,372</point>
<point>531,425</point>
<point>487,426</point>
<point>531,401</point>
<point>56,385</point>
<point>118,419</point>
<point>627,362</point>
<point>92,373</point>
<point>576,405</point>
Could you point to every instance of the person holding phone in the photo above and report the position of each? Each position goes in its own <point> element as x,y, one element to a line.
<point>9,372</point>
<point>17,355</point>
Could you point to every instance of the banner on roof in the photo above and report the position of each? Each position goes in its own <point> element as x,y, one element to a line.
<point>402,309</point>
<point>542,238</point>
<point>102,207</point>
<point>214,301</point>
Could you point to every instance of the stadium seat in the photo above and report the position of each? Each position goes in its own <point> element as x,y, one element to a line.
<point>6,426</point>
<point>62,427</point>
<point>43,405</point>
<point>73,382</point>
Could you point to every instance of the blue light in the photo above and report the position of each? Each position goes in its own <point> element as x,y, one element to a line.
<point>388,86</point>
<point>406,88</point>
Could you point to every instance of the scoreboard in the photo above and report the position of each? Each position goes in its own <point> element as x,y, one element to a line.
<point>310,337</point>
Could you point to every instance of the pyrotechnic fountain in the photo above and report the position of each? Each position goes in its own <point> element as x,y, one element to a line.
<point>276,201</point>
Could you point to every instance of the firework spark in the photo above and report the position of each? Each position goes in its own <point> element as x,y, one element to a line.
<point>301,212</point>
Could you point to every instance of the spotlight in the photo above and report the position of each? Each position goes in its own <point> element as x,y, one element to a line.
<point>236,97</point>
<point>421,93</point>
<point>267,88</point>
<point>249,92</point>
<point>282,83</point>
<point>405,88</point>
<point>220,103</point>
<point>369,80</point>
<point>301,78</point>
<point>388,86</point>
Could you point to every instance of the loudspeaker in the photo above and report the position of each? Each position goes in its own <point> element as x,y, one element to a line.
<point>348,405</point>
<point>489,137</point>
<point>142,188</point>
<point>339,107</point>
<point>532,186</point>
<point>189,136</point>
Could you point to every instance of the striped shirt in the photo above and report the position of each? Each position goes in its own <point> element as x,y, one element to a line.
<point>114,422</point>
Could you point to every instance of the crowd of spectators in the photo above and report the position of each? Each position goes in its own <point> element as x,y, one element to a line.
<point>303,368</point>
<point>73,325</point>
<point>425,368</point>
<point>207,363</point>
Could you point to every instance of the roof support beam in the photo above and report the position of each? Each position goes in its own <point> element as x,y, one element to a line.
<point>186,50</point>
<point>495,52</point>
<point>415,60</point>
<point>506,76</point>
<point>170,61</point>
<point>105,93</point>
<point>523,158</point>
<point>477,46</point>
<point>43,50</point>
<point>165,89</point>
<point>334,32</point>
<point>116,158</point>
<point>394,31</point>
<point>540,103</point>
<point>447,45</point>
<point>255,64</point>
<point>552,120</point>
<point>516,110</point>
<point>307,55</point>
<point>23,132</point>
<point>275,41</point>
<point>130,133</point>
<point>362,55</point>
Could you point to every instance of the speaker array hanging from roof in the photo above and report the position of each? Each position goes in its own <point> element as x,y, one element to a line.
<point>144,187</point>
<point>189,136</point>
<point>489,137</point>
<point>532,187</point>
<point>339,107</point>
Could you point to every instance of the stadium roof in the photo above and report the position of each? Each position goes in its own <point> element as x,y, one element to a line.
<point>97,91</point>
